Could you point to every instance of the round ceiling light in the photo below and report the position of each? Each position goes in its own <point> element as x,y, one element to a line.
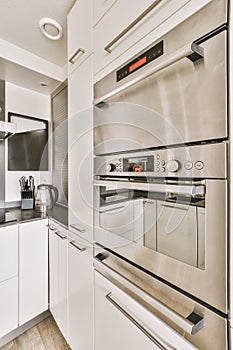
<point>51,28</point>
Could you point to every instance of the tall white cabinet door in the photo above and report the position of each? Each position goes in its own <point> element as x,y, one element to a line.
<point>80,139</point>
<point>80,297</point>
<point>8,306</point>
<point>79,22</point>
<point>33,269</point>
<point>58,261</point>
<point>8,278</point>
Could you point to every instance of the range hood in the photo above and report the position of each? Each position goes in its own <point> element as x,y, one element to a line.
<point>19,125</point>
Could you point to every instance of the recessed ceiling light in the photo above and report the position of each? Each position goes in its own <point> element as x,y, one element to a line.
<point>51,28</point>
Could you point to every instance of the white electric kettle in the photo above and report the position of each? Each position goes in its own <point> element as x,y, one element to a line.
<point>46,197</point>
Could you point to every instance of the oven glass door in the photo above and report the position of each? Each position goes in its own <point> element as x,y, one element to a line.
<point>176,231</point>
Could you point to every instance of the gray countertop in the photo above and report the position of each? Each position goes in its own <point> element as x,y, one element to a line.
<point>11,215</point>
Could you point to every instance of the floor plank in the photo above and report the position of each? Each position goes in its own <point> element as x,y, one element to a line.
<point>44,336</point>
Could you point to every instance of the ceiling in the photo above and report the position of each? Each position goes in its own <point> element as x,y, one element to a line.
<point>19,25</point>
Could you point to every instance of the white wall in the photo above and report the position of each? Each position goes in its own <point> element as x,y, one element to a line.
<point>27,102</point>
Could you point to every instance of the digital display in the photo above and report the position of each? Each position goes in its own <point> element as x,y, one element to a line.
<point>137,64</point>
<point>140,61</point>
<point>138,164</point>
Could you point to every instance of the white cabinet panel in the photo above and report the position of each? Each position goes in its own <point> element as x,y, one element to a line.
<point>8,252</point>
<point>8,306</point>
<point>80,140</point>
<point>58,260</point>
<point>80,94</point>
<point>79,24</point>
<point>80,287</point>
<point>100,7</point>
<point>33,269</point>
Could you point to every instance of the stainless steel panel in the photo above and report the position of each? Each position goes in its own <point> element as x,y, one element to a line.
<point>155,296</point>
<point>185,102</point>
<point>213,156</point>
<point>196,281</point>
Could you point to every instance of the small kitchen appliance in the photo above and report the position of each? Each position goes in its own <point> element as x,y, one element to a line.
<point>46,197</point>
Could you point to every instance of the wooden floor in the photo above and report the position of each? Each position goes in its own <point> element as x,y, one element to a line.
<point>44,336</point>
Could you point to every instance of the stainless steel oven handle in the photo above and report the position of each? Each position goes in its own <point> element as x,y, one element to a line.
<point>157,342</point>
<point>168,61</point>
<point>131,25</point>
<point>190,190</point>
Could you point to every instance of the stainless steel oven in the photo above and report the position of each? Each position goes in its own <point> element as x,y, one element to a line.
<point>161,170</point>
<point>173,92</point>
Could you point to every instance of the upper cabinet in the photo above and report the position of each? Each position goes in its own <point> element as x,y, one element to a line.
<point>123,30</point>
<point>79,23</point>
<point>100,7</point>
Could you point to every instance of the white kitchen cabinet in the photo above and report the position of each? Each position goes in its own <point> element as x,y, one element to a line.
<point>79,24</point>
<point>80,156</point>
<point>143,31</point>
<point>121,322</point>
<point>8,306</point>
<point>58,260</point>
<point>33,269</point>
<point>80,293</point>
<point>8,278</point>
<point>100,7</point>
<point>8,252</point>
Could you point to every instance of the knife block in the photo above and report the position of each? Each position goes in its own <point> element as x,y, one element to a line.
<point>27,199</point>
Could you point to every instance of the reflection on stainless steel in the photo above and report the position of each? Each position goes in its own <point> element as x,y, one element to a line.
<point>161,179</point>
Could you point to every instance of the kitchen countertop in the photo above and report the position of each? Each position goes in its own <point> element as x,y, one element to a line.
<point>14,215</point>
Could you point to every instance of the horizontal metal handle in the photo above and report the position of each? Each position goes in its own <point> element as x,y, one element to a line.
<point>192,324</point>
<point>157,342</point>
<point>186,51</point>
<point>81,249</point>
<point>58,233</point>
<point>111,210</point>
<point>82,230</point>
<point>187,190</point>
<point>75,55</point>
<point>131,25</point>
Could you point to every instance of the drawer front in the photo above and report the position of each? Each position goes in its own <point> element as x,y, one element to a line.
<point>8,252</point>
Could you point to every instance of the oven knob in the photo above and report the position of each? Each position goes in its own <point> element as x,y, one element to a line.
<point>111,167</point>
<point>173,166</point>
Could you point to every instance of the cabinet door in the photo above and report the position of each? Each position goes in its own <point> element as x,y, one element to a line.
<point>79,24</point>
<point>100,7</point>
<point>33,269</point>
<point>8,306</point>
<point>8,252</point>
<point>80,301</point>
<point>80,139</point>
<point>58,276</point>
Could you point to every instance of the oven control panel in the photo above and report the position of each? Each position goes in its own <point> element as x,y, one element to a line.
<point>192,161</point>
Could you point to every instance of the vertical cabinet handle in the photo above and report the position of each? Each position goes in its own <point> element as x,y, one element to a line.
<point>130,26</point>
<point>80,51</point>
